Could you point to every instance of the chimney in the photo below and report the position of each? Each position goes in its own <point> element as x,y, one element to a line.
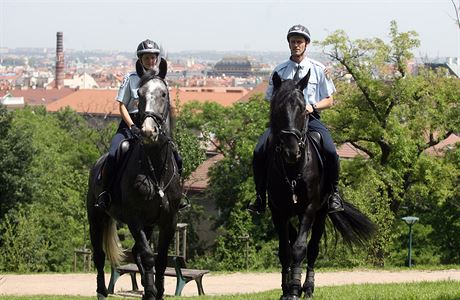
<point>59,80</point>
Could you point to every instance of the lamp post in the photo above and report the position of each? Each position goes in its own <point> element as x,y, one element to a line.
<point>410,221</point>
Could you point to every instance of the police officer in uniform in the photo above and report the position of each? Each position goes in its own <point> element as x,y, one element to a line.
<point>318,96</point>
<point>147,53</point>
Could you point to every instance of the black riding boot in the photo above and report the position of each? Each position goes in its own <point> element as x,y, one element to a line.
<point>258,207</point>
<point>105,199</point>
<point>183,202</point>
<point>179,161</point>
<point>335,202</point>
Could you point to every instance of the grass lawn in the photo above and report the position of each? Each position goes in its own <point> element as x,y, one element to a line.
<point>441,290</point>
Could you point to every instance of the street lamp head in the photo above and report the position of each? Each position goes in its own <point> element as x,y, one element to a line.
<point>410,220</point>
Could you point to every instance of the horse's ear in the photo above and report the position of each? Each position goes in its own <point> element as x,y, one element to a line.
<point>276,80</point>
<point>163,68</point>
<point>302,84</point>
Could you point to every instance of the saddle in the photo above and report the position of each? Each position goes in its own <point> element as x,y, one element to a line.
<point>121,155</point>
<point>317,143</point>
<point>316,137</point>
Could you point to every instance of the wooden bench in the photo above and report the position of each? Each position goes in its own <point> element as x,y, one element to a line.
<point>176,267</point>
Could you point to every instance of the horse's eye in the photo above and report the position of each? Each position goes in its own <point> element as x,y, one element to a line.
<point>163,94</point>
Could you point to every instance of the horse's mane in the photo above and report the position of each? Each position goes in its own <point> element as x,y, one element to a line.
<point>287,94</point>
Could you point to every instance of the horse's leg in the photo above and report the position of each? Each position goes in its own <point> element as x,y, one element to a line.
<point>96,228</point>
<point>143,251</point>
<point>166,234</point>
<point>313,250</point>
<point>136,255</point>
<point>299,251</point>
<point>284,250</point>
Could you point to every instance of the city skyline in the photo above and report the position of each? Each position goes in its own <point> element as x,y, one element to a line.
<point>221,25</point>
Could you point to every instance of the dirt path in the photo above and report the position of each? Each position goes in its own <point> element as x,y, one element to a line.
<point>85,284</point>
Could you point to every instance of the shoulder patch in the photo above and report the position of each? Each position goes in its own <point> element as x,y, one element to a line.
<point>125,81</point>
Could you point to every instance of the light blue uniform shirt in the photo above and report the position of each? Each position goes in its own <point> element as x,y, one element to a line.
<point>127,94</point>
<point>319,87</point>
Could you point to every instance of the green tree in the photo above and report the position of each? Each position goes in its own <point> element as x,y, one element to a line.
<point>56,177</point>
<point>233,131</point>
<point>15,157</point>
<point>393,117</point>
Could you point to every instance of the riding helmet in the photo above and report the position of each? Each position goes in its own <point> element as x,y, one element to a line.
<point>299,30</point>
<point>147,46</point>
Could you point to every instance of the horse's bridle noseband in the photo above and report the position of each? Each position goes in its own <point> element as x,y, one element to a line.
<point>300,136</point>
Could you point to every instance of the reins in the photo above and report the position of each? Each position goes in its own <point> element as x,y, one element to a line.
<point>301,137</point>
<point>159,183</point>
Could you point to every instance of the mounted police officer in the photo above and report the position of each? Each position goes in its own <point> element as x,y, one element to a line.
<point>318,96</point>
<point>147,53</point>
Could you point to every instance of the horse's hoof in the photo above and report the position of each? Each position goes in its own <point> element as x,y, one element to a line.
<point>289,297</point>
<point>148,296</point>
<point>308,293</point>
<point>308,296</point>
<point>101,297</point>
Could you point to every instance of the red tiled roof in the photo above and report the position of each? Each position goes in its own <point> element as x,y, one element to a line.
<point>102,101</point>
<point>347,150</point>
<point>39,96</point>
<point>198,181</point>
<point>259,89</point>
<point>216,95</point>
<point>439,148</point>
<point>89,101</point>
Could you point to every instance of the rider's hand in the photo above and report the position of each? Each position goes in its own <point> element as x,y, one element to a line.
<point>309,108</point>
<point>135,131</point>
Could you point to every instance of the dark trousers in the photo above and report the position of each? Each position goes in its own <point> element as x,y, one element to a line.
<point>122,134</point>
<point>331,159</point>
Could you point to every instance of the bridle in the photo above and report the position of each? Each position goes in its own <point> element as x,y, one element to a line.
<point>301,138</point>
<point>158,118</point>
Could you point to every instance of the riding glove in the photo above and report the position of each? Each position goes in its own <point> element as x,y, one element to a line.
<point>135,131</point>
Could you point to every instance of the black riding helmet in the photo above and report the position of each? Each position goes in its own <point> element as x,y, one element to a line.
<point>147,46</point>
<point>299,30</point>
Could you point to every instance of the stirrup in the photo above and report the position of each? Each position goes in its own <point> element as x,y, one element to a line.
<point>103,201</point>
<point>255,209</point>
<point>183,205</point>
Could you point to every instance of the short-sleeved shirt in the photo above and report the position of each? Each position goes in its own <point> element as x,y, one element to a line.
<point>127,94</point>
<point>319,86</point>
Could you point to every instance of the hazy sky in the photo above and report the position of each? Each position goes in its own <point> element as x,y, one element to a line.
<point>220,24</point>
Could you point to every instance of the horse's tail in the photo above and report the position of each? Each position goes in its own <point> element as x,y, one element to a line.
<point>110,243</point>
<point>353,225</point>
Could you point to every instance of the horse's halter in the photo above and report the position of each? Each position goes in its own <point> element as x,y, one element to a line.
<point>159,118</point>
<point>299,135</point>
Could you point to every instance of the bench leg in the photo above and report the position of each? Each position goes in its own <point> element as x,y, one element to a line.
<point>113,279</point>
<point>199,285</point>
<point>180,283</point>
<point>134,281</point>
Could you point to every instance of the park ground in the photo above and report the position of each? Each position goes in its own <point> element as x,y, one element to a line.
<point>214,284</point>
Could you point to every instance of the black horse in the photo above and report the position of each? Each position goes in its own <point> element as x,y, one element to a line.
<point>296,188</point>
<point>146,193</point>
